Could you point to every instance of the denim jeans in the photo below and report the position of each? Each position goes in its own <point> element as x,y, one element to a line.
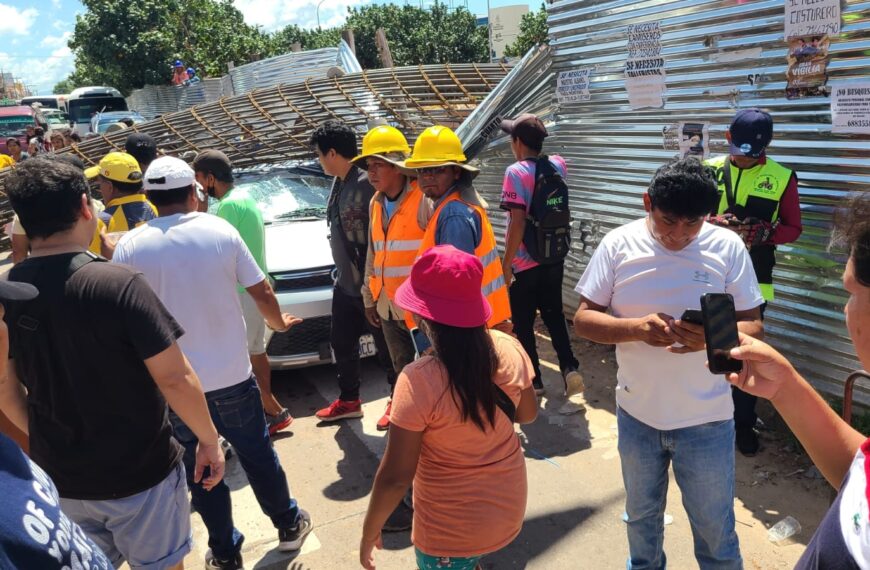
<point>703,460</point>
<point>237,413</point>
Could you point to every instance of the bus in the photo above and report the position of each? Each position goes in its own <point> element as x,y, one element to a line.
<point>46,101</point>
<point>84,102</point>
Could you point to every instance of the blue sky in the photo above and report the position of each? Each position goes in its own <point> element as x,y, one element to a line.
<point>35,32</point>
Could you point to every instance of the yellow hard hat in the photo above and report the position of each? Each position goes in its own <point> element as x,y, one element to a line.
<point>437,146</point>
<point>383,140</point>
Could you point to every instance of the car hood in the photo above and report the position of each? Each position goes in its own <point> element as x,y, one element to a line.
<point>297,245</point>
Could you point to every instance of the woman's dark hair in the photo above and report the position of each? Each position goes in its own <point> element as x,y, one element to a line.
<point>12,140</point>
<point>471,362</point>
<point>337,135</point>
<point>39,132</point>
<point>47,195</point>
<point>685,188</point>
<point>172,197</point>
<point>75,137</point>
<point>852,230</point>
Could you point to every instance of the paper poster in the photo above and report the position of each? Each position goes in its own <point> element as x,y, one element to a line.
<point>573,86</point>
<point>807,66</point>
<point>694,140</point>
<point>645,68</point>
<point>850,108</point>
<point>811,18</point>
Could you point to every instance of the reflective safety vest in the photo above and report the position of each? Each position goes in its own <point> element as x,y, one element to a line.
<point>757,192</point>
<point>396,249</point>
<point>493,287</point>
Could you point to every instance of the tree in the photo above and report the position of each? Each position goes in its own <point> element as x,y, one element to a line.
<point>284,39</point>
<point>63,86</point>
<point>131,43</point>
<point>533,31</point>
<point>418,36</point>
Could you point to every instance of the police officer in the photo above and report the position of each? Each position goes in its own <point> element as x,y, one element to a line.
<point>759,200</point>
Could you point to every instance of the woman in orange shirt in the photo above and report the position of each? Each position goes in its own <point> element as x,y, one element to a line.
<point>450,432</point>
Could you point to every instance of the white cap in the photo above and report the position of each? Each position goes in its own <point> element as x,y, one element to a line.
<point>168,173</point>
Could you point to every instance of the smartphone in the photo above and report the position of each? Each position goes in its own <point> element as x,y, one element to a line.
<point>720,332</point>
<point>693,316</point>
<point>420,340</point>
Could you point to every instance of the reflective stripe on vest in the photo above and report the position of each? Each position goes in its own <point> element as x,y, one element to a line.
<point>766,182</point>
<point>396,248</point>
<point>493,286</point>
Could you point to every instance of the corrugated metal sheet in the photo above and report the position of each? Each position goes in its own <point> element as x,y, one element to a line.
<point>293,67</point>
<point>720,56</point>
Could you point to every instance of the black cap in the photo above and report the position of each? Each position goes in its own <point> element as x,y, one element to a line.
<point>143,147</point>
<point>751,132</point>
<point>528,128</point>
<point>17,291</point>
<point>214,162</point>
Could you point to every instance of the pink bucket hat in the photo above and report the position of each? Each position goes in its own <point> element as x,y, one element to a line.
<point>444,287</point>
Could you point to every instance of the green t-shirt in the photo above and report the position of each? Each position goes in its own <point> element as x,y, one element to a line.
<point>239,209</point>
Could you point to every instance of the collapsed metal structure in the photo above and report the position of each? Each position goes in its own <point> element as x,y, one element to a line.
<point>719,57</point>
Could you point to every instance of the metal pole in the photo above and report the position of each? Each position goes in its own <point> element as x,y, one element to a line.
<point>489,30</point>
<point>317,12</point>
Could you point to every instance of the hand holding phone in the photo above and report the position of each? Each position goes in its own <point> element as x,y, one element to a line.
<point>720,332</point>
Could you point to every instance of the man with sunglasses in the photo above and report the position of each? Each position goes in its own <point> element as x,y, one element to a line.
<point>459,217</point>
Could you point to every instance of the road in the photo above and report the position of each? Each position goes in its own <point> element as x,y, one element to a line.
<point>575,504</point>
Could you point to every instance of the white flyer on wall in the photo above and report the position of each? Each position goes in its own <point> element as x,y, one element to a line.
<point>812,18</point>
<point>573,86</point>
<point>645,79</point>
<point>850,108</point>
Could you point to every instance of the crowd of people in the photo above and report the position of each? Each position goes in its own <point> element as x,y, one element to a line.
<point>418,267</point>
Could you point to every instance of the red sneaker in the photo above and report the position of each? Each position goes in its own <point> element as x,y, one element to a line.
<point>278,422</point>
<point>384,422</point>
<point>340,410</point>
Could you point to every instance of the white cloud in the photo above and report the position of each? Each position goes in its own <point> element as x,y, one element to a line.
<point>56,41</point>
<point>15,21</point>
<point>275,14</point>
<point>42,72</point>
<point>55,4</point>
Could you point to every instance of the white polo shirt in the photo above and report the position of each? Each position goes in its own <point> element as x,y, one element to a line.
<point>634,275</point>
<point>194,263</point>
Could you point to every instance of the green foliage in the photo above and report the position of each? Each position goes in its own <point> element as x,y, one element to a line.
<point>130,43</point>
<point>533,31</point>
<point>418,36</point>
<point>63,86</point>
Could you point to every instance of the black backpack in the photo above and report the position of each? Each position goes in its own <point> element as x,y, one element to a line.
<point>548,222</point>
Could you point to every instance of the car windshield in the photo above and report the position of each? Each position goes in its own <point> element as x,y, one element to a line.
<point>57,118</point>
<point>14,125</point>
<point>285,194</point>
<point>81,110</point>
<point>106,122</point>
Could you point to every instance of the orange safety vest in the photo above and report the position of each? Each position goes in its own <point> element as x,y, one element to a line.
<point>396,248</point>
<point>493,287</point>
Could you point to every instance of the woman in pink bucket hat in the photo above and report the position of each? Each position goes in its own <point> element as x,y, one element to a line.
<point>452,431</point>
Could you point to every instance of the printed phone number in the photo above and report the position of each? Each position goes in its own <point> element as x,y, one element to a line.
<point>861,123</point>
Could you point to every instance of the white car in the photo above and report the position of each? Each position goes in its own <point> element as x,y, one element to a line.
<point>299,259</point>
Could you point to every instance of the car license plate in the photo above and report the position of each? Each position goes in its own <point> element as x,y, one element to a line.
<point>367,346</point>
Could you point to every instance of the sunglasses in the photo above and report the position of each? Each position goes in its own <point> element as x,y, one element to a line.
<point>432,170</point>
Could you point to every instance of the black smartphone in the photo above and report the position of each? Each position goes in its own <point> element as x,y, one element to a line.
<point>693,316</point>
<point>720,332</point>
<point>420,340</point>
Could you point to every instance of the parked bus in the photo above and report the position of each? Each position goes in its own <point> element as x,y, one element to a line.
<point>84,102</point>
<point>47,101</point>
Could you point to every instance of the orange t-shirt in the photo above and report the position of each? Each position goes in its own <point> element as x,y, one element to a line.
<point>470,486</point>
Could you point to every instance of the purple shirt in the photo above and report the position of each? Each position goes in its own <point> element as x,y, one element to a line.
<point>516,193</point>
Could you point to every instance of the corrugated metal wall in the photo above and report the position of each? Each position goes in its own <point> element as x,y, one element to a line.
<point>720,56</point>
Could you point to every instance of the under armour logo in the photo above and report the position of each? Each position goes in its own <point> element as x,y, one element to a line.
<point>701,277</point>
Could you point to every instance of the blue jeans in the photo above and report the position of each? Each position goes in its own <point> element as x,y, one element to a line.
<point>237,413</point>
<point>703,459</point>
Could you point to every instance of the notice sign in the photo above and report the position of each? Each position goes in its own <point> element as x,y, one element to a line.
<point>645,67</point>
<point>807,66</point>
<point>850,108</point>
<point>811,18</point>
<point>573,86</point>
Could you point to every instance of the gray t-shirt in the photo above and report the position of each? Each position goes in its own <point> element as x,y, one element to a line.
<point>348,217</point>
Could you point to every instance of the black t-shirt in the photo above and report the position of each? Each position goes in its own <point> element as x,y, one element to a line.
<point>98,424</point>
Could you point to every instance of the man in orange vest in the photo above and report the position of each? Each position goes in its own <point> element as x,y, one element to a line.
<point>459,217</point>
<point>397,220</point>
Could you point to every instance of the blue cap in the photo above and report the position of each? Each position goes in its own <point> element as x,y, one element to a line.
<point>191,71</point>
<point>178,63</point>
<point>751,132</point>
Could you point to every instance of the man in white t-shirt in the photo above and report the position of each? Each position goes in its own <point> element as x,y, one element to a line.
<point>194,262</point>
<point>670,408</point>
